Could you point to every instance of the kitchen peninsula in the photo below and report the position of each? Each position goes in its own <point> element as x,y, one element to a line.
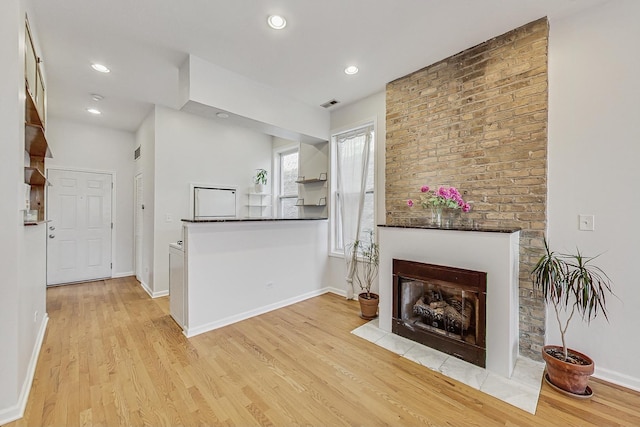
<point>239,268</point>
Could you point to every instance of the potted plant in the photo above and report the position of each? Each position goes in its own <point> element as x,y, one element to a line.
<point>260,180</point>
<point>365,258</point>
<point>570,284</point>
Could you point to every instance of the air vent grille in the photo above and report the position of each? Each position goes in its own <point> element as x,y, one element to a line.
<point>330,103</point>
<point>136,154</point>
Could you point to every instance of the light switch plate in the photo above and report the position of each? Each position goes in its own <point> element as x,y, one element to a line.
<point>586,222</point>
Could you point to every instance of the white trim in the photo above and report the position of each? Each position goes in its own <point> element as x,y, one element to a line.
<point>123,274</point>
<point>153,294</point>
<point>618,378</point>
<point>16,411</point>
<point>373,120</point>
<point>191,332</point>
<point>138,274</point>
<point>276,207</point>
<point>146,288</point>
<point>337,291</point>
<point>113,207</point>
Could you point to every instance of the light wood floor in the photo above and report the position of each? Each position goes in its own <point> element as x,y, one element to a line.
<point>113,356</point>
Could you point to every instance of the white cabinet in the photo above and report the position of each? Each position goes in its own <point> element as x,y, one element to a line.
<point>177,288</point>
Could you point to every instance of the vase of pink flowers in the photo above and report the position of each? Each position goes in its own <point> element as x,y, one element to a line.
<point>444,203</point>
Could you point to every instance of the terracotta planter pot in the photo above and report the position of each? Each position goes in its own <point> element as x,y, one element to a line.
<point>368,307</point>
<point>570,377</point>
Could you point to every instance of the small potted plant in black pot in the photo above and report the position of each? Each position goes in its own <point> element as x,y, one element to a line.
<point>571,284</point>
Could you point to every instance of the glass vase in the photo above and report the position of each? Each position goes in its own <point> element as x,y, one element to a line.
<point>450,217</point>
<point>436,216</point>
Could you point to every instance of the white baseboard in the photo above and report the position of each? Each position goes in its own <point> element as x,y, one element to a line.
<point>337,291</point>
<point>191,332</point>
<point>153,294</point>
<point>146,288</point>
<point>617,378</point>
<point>125,274</point>
<point>17,411</point>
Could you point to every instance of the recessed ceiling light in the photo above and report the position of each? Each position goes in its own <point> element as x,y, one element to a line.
<point>101,68</point>
<point>276,22</point>
<point>94,111</point>
<point>97,97</point>
<point>222,115</point>
<point>351,69</point>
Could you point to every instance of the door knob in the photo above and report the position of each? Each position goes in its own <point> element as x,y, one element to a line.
<point>52,236</point>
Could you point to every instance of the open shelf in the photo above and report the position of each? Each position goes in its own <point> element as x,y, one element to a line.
<point>33,176</point>
<point>31,114</point>
<point>35,142</point>
<point>321,202</point>
<point>303,180</point>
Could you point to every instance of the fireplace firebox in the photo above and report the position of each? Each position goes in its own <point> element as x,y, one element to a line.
<point>441,307</point>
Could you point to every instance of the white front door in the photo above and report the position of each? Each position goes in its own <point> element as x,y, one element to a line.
<point>138,226</point>
<point>79,231</point>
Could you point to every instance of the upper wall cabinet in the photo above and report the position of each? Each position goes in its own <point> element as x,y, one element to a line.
<point>33,75</point>
<point>35,141</point>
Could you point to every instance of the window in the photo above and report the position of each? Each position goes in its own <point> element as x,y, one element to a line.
<point>287,166</point>
<point>355,137</point>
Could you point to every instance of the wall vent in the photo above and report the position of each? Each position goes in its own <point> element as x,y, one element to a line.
<point>136,154</point>
<point>330,103</point>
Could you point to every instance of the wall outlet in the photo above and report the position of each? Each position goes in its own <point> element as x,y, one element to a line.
<point>586,222</point>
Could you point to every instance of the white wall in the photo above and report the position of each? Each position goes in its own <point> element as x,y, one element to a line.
<point>22,291</point>
<point>206,88</point>
<point>593,154</point>
<point>190,148</point>
<point>370,108</point>
<point>11,162</point>
<point>83,147</point>
<point>237,270</point>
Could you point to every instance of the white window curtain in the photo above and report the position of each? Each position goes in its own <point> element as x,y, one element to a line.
<point>352,157</point>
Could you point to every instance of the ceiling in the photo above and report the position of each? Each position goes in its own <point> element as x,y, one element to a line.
<point>144,42</point>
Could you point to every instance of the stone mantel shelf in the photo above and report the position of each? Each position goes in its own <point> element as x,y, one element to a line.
<point>479,229</point>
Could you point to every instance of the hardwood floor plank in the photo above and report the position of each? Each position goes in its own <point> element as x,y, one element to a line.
<point>113,356</point>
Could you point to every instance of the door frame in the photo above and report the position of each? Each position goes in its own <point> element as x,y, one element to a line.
<point>113,205</point>
<point>138,274</point>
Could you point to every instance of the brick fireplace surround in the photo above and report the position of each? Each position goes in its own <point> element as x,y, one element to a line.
<point>478,121</point>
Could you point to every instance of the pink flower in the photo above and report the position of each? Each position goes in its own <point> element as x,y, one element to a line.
<point>410,203</point>
<point>424,188</point>
<point>466,207</point>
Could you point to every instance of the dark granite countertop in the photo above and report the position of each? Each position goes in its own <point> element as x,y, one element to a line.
<point>480,228</point>
<point>198,221</point>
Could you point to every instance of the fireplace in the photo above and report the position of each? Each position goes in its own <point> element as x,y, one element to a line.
<point>441,307</point>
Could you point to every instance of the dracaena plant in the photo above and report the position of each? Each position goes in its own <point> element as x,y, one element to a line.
<point>571,283</point>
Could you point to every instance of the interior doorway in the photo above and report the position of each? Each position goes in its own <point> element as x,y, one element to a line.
<point>138,225</point>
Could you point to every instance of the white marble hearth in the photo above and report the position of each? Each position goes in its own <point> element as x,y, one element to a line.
<point>521,390</point>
